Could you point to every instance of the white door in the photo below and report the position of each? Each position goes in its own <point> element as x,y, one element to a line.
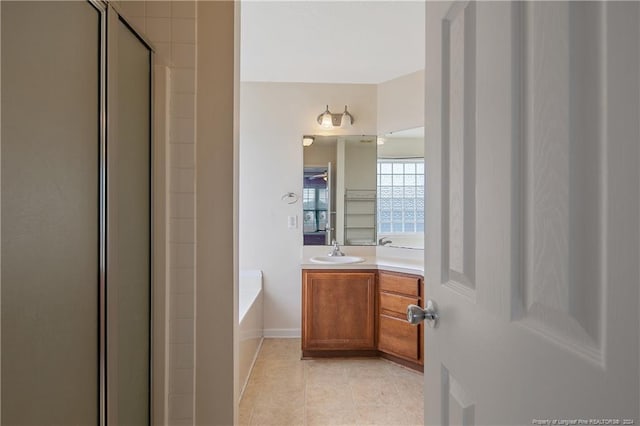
<point>532,137</point>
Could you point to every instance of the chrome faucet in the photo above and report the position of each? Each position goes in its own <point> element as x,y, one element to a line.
<point>384,241</point>
<point>336,250</point>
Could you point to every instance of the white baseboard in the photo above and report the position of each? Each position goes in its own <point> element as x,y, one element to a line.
<point>286,333</point>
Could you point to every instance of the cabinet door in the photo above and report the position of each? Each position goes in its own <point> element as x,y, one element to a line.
<point>338,311</point>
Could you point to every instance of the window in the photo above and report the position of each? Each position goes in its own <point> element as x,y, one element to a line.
<point>400,195</point>
<point>314,202</point>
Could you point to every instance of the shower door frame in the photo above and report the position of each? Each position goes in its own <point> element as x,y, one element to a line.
<point>110,16</point>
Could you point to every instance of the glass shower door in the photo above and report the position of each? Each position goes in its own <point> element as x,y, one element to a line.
<point>50,150</point>
<point>129,228</point>
<point>76,216</point>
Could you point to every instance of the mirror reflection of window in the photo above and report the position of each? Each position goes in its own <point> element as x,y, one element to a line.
<point>400,196</point>
<point>315,205</point>
<point>401,192</point>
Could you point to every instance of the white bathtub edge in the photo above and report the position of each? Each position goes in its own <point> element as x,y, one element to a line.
<point>253,363</point>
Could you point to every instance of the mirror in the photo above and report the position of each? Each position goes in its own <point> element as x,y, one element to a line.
<point>360,192</point>
<point>400,184</point>
<point>339,190</point>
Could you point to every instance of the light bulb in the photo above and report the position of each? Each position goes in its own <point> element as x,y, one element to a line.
<point>345,121</point>
<point>307,141</point>
<point>327,120</point>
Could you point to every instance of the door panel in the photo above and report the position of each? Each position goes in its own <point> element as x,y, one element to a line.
<point>532,257</point>
<point>458,158</point>
<point>50,210</point>
<point>562,176</point>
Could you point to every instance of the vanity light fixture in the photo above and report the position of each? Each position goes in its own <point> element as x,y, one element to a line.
<point>326,119</point>
<point>347,119</point>
<point>307,140</point>
<point>329,120</point>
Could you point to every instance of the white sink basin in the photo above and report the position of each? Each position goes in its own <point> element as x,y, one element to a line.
<point>334,260</point>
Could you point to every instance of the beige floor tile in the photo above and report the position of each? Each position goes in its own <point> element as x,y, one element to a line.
<point>287,398</point>
<point>325,373</point>
<point>284,390</point>
<point>410,394</point>
<point>324,417</point>
<point>244,413</point>
<point>415,415</point>
<point>282,379</point>
<point>329,397</point>
<point>373,391</point>
<point>380,415</point>
<point>278,416</point>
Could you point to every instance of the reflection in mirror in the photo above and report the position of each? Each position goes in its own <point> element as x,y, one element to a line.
<point>339,191</point>
<point>400,179</point>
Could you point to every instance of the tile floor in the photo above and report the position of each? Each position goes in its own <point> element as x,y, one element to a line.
<point>284,390</point>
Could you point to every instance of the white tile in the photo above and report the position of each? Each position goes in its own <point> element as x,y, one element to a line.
<point>182,255</point>
<point>182,130</point>
<point>181,381</point>
<point>164,51</point>
<point>182,180</point>
<point>133,9</point>
<point>180,355</point>
<point>180,407</point>
<point>182,155</point>
<point>181,306</point>
<point>183,9</point>
<point>183,30</point>
<point>181,230</point>
<point>138,23</point>
<point>183,105</point>
<point>184,55</point>
<point>159,9</point>
<point>181,330</point>
<point>181,281</point>
<point>159,29</point>
<point>182,205</point>
<point>183,80</point>
<point>182,422</point>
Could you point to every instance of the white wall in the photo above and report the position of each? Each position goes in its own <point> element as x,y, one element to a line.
<point>401,147</point>
<point>401,103</point>
<point>216,279</point>
<point>273,118</point>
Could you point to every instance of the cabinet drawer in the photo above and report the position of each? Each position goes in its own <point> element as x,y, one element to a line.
<point>405,284</point>
<point>396,303</point>
<point>398,337</point>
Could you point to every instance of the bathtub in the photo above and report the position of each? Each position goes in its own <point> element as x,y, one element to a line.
<point>250,321</point>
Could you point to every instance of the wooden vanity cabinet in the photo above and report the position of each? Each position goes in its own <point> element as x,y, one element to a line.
<point>338,312</point>
<point>397,339</point>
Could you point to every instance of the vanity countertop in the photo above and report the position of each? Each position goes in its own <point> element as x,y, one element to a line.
<point>393,264</point>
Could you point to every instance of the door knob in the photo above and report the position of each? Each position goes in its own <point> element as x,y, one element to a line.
<point>415,314</point>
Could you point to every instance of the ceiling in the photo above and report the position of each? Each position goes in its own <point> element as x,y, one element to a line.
<point>331,41</point>
<point>415,133</point>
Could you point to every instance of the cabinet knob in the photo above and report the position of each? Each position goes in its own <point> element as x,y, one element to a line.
<point>415,314</point>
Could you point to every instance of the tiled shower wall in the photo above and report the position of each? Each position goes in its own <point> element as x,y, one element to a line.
<point>171,27</point>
